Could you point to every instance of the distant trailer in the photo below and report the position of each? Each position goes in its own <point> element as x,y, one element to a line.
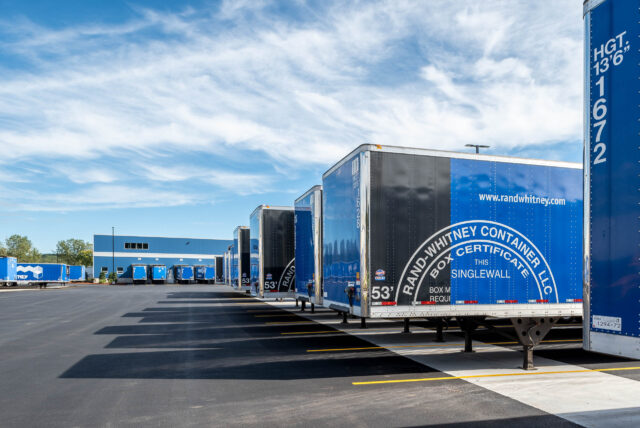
<point>612,202</point>
<point>158,273</point>
<point>42,273</point>
<point>219,269</point>
<point>183,273</point>
<point>412,233</point>
<point>77,273</point>
<point>8,270</point>
<point>308,247</point>
<point>272,252</point>
<point>227,266</point>
<point>139,273</point>
<point>205,274</point>
<point>240,259</point>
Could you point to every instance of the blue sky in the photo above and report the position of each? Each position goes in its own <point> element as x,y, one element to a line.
<point>178,118</point>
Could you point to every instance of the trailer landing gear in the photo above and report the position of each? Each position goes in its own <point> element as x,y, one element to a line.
<point>363,323</point>
<point>344,318</point>
<point>468,325</point>
<point>439,327</point>
<point>406,328</point>
<point>302,305</point>
<point>313,308</point>
<point>530,333</point>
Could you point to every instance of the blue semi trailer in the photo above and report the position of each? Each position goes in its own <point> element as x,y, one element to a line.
<point>308,247</point>
<point>77,273</point>
<point>139,273</point>
<point>240,259</point>
<point>205,274</point>
<point>158,273</point>
<point>183,273</point>
<point>612,201</point>
<point>42,273</point>
<point>430,234</point>
<point>8,270</point>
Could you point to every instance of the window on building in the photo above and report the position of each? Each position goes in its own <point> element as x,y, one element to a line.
<point>139,246</point>
<point>120,270</point>
<point>145,246</point>
<point>104,269</point>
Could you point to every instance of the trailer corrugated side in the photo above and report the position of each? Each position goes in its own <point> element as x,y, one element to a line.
<point>424,233</point>
<point>158,273</point>
<point>77,273</point>
<point>272,252</point>
<point>242,269</point>
<point>612,202</point>
<point>42,273</point>
<point>8,266</point>
<point>308,246</point>
<point>219,268</point>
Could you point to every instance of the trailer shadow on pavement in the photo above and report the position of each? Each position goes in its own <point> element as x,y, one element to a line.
<point>231,340</point>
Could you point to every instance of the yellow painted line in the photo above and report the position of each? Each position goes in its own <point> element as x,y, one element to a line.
<point>432,346</point>
<point>429,379</point>
<point>315,332</point>
<point>275,315</point>
<point>260,311</point>
<point>289,322</point>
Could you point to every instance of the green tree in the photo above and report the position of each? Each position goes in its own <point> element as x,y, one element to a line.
<point>75,252</point>
<point>20,247</point>
<point>3,251</point>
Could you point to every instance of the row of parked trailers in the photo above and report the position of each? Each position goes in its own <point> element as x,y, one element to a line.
<point>14,273</point>
<point>157,273</point>
<point>406,233</point>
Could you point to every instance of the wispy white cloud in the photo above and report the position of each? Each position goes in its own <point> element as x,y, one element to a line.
<point>299,93</point>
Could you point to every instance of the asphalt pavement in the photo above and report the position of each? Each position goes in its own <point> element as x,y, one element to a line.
<point>203,355</point>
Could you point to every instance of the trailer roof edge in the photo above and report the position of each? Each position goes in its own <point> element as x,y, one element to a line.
<point>271,207</point>
<point>449,154</point>
<point>308,192</point>
<point>589,5</point>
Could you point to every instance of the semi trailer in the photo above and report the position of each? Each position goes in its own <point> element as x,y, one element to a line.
<point>308,247</point>
<point>158,274</point>
<point>413,233</point>
<point>42,273</point>
<point>8,270</point>
<point>272,252</point>
<point>241,270</point>
<point>611,171</point>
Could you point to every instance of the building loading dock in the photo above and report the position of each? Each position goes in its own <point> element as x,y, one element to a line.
<point>118,253</point>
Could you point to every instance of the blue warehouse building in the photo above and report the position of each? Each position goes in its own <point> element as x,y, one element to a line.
<point>121,252</point>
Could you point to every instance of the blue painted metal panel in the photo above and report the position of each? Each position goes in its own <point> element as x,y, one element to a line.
<point>77,273</point>
<point>515,234</point>
<point>183,273</point>
<point>139,272</point>
<point>42,272</point>
<point>8,267</point>
<point>341,232</point>
<point>612,148</point>
<point>102,243</point>
<point>305,269</point>
<point>158,272</point>
<point>205,273</point>
<point>308,245</point>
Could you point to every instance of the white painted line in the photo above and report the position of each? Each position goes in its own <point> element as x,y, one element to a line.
<point>591,399</point>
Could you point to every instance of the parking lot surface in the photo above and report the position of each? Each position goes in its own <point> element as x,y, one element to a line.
<point>205,355</point>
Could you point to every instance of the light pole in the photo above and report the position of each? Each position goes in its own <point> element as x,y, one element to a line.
<point>113,249</point>
<point>477,146</point>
